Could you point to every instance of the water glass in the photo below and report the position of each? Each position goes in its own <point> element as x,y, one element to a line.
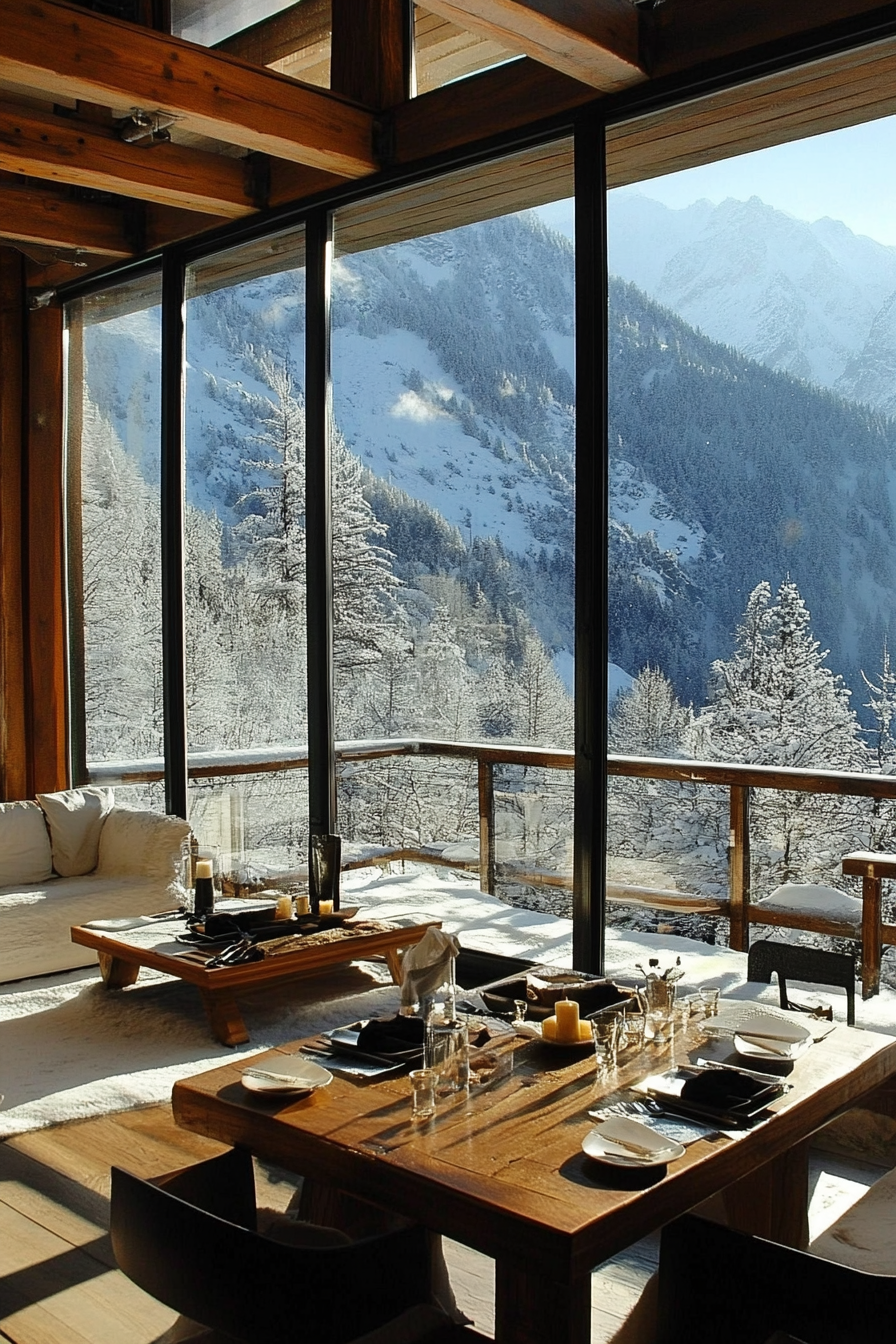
<point>605,1034</point>
<point>658,998</point>
<point>423,1093</point>
<point>709,997</point>
<point>448,1055</point>
<point>632,1033</point>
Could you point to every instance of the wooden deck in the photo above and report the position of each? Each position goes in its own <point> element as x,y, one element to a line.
<point>59,1284</point>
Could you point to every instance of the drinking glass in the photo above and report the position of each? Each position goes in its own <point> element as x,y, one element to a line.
<point>632,1035</point>
<point>447,1055</point>
<point>605,1034</point>
<point>658,997</point>
<point>710,998</point>
<point>423,1093</point>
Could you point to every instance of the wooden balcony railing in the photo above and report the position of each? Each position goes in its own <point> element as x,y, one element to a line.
<point>739,780</point>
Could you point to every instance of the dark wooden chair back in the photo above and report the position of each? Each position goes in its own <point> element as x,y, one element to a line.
<point>812,965</point>
<point>189,1240</point>
<point>725,1286</point>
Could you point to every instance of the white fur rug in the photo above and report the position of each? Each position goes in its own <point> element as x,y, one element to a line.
<point>70,1049</point>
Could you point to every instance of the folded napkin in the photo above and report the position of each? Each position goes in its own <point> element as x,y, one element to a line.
<point>391,1035</point>
<point>427,965</point>
<point>725,1090</point>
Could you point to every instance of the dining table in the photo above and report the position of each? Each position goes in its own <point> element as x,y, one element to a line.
<point>500,1167</point>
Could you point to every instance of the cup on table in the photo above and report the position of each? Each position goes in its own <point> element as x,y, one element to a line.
<point>447,1054</point>
<point>658,999</point>
<point>423,1093</point>
<point>520,1008</point>
<point>605,1027</point>
<point>709,997</point>
<point>632,1031</point>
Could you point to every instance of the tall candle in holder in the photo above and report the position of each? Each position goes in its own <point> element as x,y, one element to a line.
<point>204,888</point>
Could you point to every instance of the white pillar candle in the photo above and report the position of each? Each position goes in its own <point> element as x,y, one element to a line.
<point>325,907</point>
<point>203,868</point>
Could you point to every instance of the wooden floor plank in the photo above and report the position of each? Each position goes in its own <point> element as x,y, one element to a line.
<point>54,1293</point>
<point>57,1281</point>
<point>145,1141</point>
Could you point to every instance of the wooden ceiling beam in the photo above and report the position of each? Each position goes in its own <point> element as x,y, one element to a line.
<point>677,37</point>
<point>43,218</point>
<point>64,150</point>
<point>58,48</point>
<point>301,31</point>
<point>498,100</point>
<point>594,41</point>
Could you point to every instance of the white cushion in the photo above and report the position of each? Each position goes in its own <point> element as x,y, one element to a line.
<point>75,818</point>
<point>140,843</point>
<point>24,845</point>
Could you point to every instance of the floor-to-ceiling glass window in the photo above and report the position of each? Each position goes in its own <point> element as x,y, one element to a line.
<point>113,372</point>
<point>453,480</point>
<point>753,499</point>
<point>245,578</point>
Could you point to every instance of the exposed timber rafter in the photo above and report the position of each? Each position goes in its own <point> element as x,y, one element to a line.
<point>594,41</point>
<point>58,149</point>
<point>59,49</point>
<point>38,216</point>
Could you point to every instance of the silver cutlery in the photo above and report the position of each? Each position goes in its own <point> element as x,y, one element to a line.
<point>269,1075</point>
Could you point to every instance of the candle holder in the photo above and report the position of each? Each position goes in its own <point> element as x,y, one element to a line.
<point>201,870</point>
<point>325,852</point>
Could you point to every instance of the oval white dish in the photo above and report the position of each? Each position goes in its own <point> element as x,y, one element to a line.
<point>622,1142</point>
<point>284,1076</point>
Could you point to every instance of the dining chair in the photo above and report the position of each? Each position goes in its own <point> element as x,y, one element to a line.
<point>189,1239</point>
<point>811,965</point>
<point>718,1284</point>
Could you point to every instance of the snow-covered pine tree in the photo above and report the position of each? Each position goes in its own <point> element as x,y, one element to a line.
<point>774,702</point>
<point>882,822</point>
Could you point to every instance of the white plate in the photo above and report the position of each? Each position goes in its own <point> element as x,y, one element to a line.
<point>600,1143</point>
<point>298,1075</point>
<point>765,1036</point>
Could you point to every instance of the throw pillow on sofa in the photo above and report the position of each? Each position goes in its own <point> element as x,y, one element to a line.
<point>75,818</point>
<point>24,845</point>
<point>138,843</point>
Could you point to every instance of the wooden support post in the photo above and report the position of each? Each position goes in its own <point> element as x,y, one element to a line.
<point>46,567</point>
<point>487,827</point>
<point>872,868</point>
<point>739,868</point>
<point>371,56</point>
<point>15,778</point>
<point>871,941</point>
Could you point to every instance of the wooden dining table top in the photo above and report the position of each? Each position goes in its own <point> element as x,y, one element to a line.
<point>502,1169</point>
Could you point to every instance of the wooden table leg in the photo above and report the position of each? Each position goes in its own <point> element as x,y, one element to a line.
<point>773,1201</point>
<point>224,1018</point>
<point>117,974</point>
<point>393,961</point>
<point>532,1309</point>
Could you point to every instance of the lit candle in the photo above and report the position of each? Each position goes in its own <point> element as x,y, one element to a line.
<point>303,905</point>
<point>284,908</point>
<point>567,1013</point>
<point>325,907</point>
<point>203,868</point>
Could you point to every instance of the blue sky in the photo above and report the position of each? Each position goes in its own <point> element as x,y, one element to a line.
<point>847,175</point>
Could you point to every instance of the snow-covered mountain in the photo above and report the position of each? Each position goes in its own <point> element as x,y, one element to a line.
<point>809,299</point>
<point>453,386</point>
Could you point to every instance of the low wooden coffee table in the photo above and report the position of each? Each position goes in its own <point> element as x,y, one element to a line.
<point>121,960</point>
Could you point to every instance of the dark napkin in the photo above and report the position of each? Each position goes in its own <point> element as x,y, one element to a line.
<point>391,1035</point>
<point>728,1092</point>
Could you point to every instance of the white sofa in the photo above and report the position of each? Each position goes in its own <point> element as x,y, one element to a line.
<point>75,856</point>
